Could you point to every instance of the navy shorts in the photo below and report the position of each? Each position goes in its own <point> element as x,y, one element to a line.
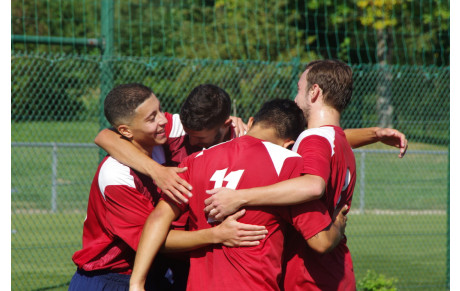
<point>83,280</point>
<point>103,280</point>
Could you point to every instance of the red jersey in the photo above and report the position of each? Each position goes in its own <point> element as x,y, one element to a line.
<point>241,163</point>
<point>326,153</point>
<point>120,200</point>
<point>177,147</point>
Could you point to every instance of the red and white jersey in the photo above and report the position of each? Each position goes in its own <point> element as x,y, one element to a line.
<point>120,200</point>
<point>241,163</point>
<point>177,146</point>
<point>326,153</point>
<point>176,149</point>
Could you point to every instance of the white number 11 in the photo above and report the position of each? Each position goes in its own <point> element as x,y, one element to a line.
<point>232,178</point>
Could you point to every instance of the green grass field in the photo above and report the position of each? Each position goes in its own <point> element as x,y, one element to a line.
<point>404,243</point>
<point>411,248</point>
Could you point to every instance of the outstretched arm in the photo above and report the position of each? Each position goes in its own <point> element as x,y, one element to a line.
<point>297,190</point>
<point>165,178</point>
<point>358,137</point>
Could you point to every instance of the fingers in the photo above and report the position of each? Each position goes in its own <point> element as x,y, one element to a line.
<point>173,197</point>
<point>252,237</point>
<point>403,150</point>
<point>180,170</point>
<point>344,209</point>
<point>213,191</point>
<point>238,214</point>
<point>209,205</point>
<point>252,229</point>
<point>249,243</point>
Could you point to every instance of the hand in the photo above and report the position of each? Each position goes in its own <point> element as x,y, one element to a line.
<point>223,202</point>
<point>239,126</point>
<point>171,184</point>
<point>340,218</point>
<point>393,137</point>
<point>232,233</point>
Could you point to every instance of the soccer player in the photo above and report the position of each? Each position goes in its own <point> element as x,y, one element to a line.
<point>329,173</point>
<point>121,199</point>
<point>258,158</point>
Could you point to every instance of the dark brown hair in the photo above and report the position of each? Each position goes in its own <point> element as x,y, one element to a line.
<point>335,78</point>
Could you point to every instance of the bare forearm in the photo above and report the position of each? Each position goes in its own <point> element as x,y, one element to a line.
<point>293,191</point>
<point>326,240</point>
<point>182,241</point>
<point>125,152</point>
<point>358,137</point>
<point>153,236</point>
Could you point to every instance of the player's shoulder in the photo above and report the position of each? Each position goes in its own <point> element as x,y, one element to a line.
<point>327,133</point>
<point>112,172</point>
<point>174,126</point>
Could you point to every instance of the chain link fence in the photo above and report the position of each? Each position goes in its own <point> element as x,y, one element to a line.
<point>66,55</point>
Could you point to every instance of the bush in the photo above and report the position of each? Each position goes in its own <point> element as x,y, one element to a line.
<point>376,282</point>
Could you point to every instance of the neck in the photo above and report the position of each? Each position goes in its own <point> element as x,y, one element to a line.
<point>268,134</point>
<point>147,150</point>
<point>324,116</point>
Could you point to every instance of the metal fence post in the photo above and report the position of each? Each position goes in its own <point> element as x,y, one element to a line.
<point>107,53</point>
<point>54,178</point>
<point>448,220</point>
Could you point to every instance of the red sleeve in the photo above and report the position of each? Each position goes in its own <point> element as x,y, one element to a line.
<point>126,213</point>
<point>310,218</point>
<point>316,154</point>
<point>292,168</point>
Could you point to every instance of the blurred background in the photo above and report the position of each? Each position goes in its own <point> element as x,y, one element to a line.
<point>67,55</point>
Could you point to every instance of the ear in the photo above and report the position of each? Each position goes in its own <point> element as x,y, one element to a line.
<point>315,92</point>
<point>228,122</point>
<point>125,131</point>
<point>287,143</point>
<point>250,122</point>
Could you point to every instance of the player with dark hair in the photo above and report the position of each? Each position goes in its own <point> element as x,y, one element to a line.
<point>121,199</point>
<point>205,114</point>
<point>258,158</point>
<point>329,173</point>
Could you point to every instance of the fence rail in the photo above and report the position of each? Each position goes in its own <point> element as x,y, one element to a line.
<point>362,153</point>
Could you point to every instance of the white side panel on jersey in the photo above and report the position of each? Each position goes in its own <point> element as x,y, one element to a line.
<point>177,130</point>
<point>278,155</point>
<point>158,154</point>
<point>326,131</point>
<point>114,173</point>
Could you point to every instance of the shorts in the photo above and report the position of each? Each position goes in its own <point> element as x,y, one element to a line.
<point>104,280</point>
<point>99,280</point>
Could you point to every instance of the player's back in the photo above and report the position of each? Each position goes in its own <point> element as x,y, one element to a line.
<point>241,163</point>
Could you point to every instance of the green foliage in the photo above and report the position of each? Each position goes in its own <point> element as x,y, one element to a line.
<point>410,32</point>
<point>376,282</point>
